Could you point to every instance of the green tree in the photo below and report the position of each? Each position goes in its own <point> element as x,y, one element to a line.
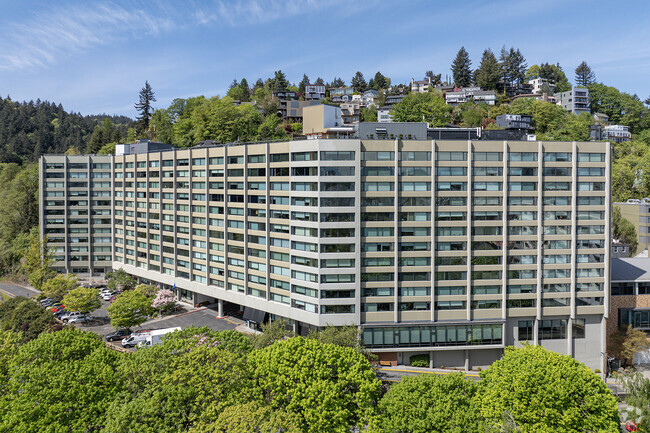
<point>337,82</point>
<point>545,391</point>
<point>627,342</point>
<point>516,66</point>
<point>624,230</point>
<point>620,107</point>
<point>488,73</point>
<point>637,390</point>
<point>82,299</point>
<point>18,212</point>
<point>422,107</point>
<point>302,87</point>
<point>555,75</point>
<point>251,417</point>
<point>280,82</point>
<point>178,385</point>
<point>359,83</point>
<point>369,114</point>
<point>331,388</point>
<point>147,97</point>
<point>272,332</point>
<point>430,403</point>
<point>584,75</point>
<point>38,261</point>
<point>380,81</point>
<point>120,280</point>
<point>513,65</point>
<point>59,285</point>
<point>10,341</point>
<point>435,78</point>
<point>148,290</point>
<point>61,381</point>
<point>108,149</point>
<point>23,316</point>
<point>344,336</point>
<point>162,126</point>
<point>461,69</point>
<point>103,134</point>
<point>271,128</point>
<point>130,309</point>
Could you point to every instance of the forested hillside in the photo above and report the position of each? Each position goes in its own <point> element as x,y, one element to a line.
<point>30,129</point>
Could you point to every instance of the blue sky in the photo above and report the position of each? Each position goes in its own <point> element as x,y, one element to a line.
<point>94,56</point>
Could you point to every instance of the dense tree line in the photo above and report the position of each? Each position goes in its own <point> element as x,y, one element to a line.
<point>30,129</point>
<point>200,380</point>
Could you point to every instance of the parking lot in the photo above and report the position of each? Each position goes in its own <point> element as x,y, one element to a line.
<point>186,317</point>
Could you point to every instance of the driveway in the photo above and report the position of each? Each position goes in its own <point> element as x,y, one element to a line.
<point>13,290</point>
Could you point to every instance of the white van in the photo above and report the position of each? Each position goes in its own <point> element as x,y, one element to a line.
<point>133,339</point>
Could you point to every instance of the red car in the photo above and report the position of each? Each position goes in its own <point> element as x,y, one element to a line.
<point>56,308</point>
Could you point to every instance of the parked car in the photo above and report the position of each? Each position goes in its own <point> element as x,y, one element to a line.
<point>61,313</point>
<point>48,302</point>
<point>70,315</point>
<point>108,296</point>
<point>84,318</point>
<point>56,308</point>
<point>118,335</point>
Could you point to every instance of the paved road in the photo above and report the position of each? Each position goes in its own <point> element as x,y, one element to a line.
<point>14,290</point>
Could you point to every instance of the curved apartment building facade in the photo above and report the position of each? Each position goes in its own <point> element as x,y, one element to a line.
<point>451,248</point>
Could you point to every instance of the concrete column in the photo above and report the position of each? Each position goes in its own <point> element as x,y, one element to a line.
<point>466,360</point>
<point>220,308</point>
<point>431,364</point>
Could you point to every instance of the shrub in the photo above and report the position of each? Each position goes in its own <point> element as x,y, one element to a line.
<point>421,360</point>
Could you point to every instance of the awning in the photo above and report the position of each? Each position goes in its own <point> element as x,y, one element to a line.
<point>254,315</point>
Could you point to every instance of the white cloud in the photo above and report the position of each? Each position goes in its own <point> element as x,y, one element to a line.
<point>54,32</point>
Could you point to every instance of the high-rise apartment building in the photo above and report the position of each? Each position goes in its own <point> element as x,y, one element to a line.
<point>449,248</point>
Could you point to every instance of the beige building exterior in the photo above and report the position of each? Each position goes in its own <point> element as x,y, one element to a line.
<point>638,213</point>
<point>453,249</point>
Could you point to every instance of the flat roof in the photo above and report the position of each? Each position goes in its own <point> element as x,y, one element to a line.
<point>631,269</point>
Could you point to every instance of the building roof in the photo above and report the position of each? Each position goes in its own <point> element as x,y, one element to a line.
<point>630,269</point>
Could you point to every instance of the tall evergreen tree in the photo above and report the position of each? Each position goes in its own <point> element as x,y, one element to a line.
<point>380,81</point>
<point>358,82</point>
<point>320,81</point>
<point>584,75</point>
<point>503,64</point>
<point>144,107</point>
<point>245,90</point>
<point>303,84</point>
<point>488,73</point>
<point>513,65</point>
<point>461,69</point>
<point>337,82</point>
<point>280,82</point>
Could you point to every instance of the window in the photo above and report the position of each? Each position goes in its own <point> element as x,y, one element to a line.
<point>415,156</point>
<point>445,156</point>
<point>337,171</point>
<point>522,156</point>
<point>522,171</point>
<point>591,157</point>
<point>337,155</point>
<point>557,156</point>
<point>522,186</point>
<point>487,186</point>
<point>378,156</point>
<point>440,186</point>
<point>487,156</point>
<point>451,171</point>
